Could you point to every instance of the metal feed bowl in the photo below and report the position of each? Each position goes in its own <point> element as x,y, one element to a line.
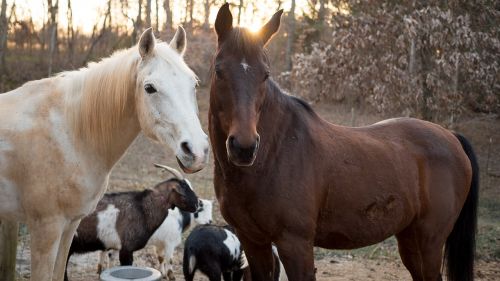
<point>127,273</point>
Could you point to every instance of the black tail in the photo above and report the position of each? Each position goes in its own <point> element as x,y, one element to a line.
<point>461,244</point>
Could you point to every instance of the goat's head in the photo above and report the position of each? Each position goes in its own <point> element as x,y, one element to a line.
<point>204,213</point>
<point>177,191</point>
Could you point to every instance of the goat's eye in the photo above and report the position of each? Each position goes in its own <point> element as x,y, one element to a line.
<point>150,89</point>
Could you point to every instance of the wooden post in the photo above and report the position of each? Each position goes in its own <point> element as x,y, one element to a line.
<point>8,249</point>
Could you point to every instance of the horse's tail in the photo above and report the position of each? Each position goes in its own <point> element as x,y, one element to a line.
<point>461,244</point>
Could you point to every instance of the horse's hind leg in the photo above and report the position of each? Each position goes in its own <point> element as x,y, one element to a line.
<point>421,254</point>
<point>46,235</point>
<point>62,253</point>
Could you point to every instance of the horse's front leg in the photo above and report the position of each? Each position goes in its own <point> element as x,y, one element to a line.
<point>297,255</point>
<point>46,236</point>
<point>62,253</point>
<point>260,258</point>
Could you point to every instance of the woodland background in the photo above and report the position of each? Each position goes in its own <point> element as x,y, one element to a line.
<point>356,62</point>
<point>437,60</point>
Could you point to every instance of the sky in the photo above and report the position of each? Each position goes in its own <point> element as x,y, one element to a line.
<point>86,13</point>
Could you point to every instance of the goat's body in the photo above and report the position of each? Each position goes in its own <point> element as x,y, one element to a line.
<point>215,251</point>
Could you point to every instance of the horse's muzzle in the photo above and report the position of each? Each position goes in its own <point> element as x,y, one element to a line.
<point>241,155</point>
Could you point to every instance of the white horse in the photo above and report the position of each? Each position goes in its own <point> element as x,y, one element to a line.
<point>61,136</point>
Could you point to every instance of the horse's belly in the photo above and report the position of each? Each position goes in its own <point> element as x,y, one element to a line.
<point>362,225</point>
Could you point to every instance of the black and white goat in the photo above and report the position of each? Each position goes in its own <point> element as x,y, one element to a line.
<point>215,251</point>
<point>125,221</point>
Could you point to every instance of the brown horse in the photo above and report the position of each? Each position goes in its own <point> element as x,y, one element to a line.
<point>284,175</point>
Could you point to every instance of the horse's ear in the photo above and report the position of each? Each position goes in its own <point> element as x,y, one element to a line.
<point>223,22</point>
<point>147,42</point>
<point>179,42</point>
<point>271,27</point>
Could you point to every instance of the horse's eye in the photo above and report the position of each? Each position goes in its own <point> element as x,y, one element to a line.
<point>266,75</point>
<point>150,89</point>
<point>218,74</point>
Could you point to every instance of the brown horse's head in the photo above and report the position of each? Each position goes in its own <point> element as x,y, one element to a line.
<point>238,88</point>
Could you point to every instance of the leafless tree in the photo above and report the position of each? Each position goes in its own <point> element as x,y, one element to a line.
<point>53,9</point>
<point>240,10</point>
<point>148,13</point>
<point>70,33</point>
<point>291,37</point>
<point>168,12</point>
<point>3,36</point>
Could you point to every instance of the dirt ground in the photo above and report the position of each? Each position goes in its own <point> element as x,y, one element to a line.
<point>135,171</point>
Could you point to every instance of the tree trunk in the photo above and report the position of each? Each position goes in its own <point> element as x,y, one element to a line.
<point>148,13</point>
<point>426,61</point>
<point>291,37</point>
<point>322,11</point>
<point>8,248</point>
<point>206,24</point>
<point>168,11</point>
<point>138,23</point>
<point>157,17</point>
<point>191,9</point>
<point>70,33</point>
<point>3,36</point>
<point>53,11</point>
<point>240,9</point>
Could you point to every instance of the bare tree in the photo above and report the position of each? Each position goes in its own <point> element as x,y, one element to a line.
<point>168,12</point>
<point>70,33</point>
<point>148,13</point>
<point>157,17</point>
<point>137,23</point>
<point>240,9</point>
<point>8,245</point>
<point>206,17</point>
<point>53,9</point>
<point>3,35</point>
<point>291,37</point>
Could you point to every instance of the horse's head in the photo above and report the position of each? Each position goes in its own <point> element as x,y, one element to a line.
<point>166,101</point>
<point>241,70</point>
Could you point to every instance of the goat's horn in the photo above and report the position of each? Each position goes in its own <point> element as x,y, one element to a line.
<point>173,171</point>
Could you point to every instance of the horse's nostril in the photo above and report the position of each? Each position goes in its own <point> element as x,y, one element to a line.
<point>186,148</point>
<point>232,142</point>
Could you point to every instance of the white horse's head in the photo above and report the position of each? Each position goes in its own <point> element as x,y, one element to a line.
<point>166,100</point>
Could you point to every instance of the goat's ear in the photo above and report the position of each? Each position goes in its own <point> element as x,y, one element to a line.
<point>179,189</point>
<point>271,27</point>
<point>179,42</point>
<point>223,22</point>
<point>147,43</point>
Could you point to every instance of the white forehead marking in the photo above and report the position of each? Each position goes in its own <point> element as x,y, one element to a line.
<point>245,65</point>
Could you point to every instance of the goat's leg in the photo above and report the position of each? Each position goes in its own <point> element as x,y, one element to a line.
<point>297,256</point>
<point>64,245</point>
<point>103,261</point>
<point>160,253</point>
<point>169,254</point>
<point>46,236</point>
<point>126,257</point>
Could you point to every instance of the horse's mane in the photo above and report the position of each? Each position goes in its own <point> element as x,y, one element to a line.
<point>104,89</point>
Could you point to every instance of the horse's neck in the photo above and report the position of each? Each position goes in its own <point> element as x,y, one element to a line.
<point>103,143</point>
